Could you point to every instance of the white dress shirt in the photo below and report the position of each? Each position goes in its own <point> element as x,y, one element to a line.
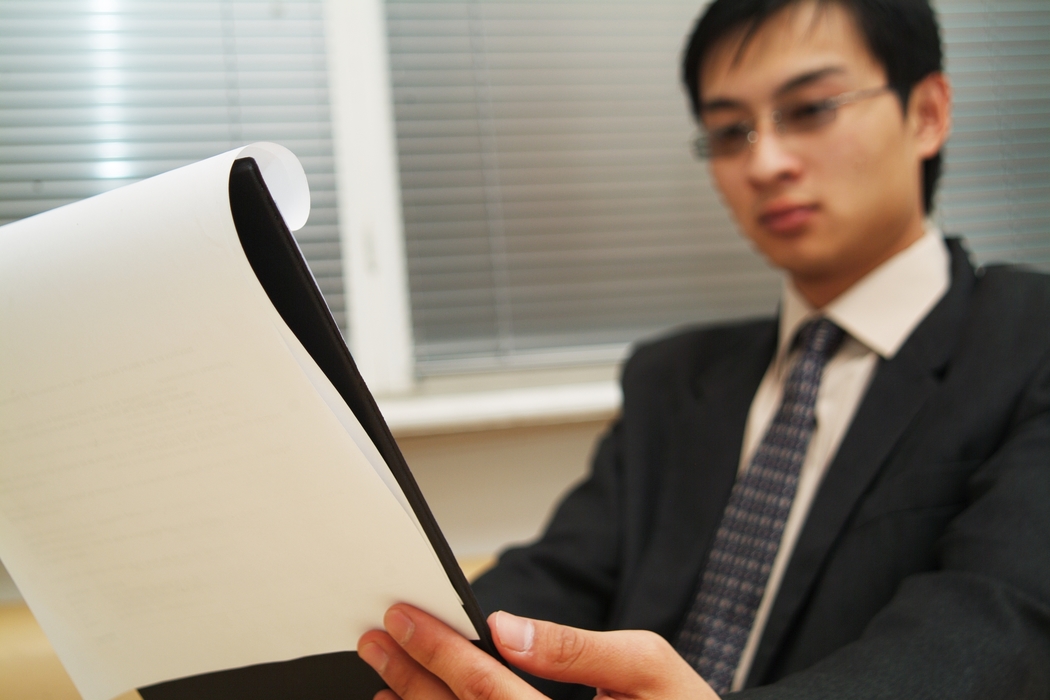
<point>878,314</point>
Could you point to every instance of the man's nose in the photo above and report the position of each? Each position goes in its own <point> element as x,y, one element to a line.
<point>770,160</point>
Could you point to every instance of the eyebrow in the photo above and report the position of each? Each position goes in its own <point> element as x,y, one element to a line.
<point>793,84</point>
<point>807,78</point>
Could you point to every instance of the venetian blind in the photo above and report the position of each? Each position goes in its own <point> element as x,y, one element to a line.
<point>996,187</point>
<point>552,211</point>
<point>98,94</point>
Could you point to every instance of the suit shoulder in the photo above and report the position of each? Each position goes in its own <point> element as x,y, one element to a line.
<point>1014,295</point>
<point>1016,281</point>
<point>684,353</point>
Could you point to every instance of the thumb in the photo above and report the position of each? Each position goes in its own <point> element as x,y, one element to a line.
<point>629,663</point>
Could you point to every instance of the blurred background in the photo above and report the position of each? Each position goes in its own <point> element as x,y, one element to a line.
<point>504,198</point>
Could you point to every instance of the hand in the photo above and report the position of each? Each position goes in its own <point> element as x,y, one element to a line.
<point>421,658</point>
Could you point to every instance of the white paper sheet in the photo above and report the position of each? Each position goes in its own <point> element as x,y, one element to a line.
<point>181,488</point>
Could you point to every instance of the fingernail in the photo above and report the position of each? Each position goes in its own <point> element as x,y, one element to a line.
<point>374,656</point>
<point>399,625</point>
<point>515,633</point>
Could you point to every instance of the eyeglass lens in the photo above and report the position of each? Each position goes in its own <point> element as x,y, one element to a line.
<point>733,138</point>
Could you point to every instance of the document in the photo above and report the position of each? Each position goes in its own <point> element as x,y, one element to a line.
<point>183,488</point>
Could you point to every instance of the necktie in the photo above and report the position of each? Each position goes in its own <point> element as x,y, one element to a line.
<point>719,622</point>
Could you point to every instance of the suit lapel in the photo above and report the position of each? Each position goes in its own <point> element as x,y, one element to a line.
<point>897,393</point>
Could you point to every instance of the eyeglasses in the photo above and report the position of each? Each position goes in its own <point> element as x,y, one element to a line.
<point>801,117</point>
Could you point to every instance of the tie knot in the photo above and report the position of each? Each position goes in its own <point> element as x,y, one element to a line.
<point>820,336</point>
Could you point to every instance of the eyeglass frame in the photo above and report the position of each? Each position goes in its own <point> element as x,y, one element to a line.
<point>701,143</point>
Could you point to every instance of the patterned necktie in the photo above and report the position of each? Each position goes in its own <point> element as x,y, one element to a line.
<point>719,622</point>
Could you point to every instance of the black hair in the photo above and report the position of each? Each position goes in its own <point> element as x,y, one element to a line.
<point>902,35</point>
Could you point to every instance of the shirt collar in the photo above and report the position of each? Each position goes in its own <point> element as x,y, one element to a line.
<point>884,307</point>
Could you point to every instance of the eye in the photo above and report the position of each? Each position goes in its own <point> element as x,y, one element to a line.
<point>739,130</point>
<point>807,115</point>
<point>728,138</point>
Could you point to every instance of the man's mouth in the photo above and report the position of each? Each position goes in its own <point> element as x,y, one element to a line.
<point>787,217</point>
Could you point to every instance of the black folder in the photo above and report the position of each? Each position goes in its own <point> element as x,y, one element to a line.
<point>282,271</point>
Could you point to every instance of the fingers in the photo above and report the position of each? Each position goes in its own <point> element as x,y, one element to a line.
<point>570,654</point>
<point>406,678</point>
<point>431,661</point>
<point>420,658</point>
<point>629,664</point>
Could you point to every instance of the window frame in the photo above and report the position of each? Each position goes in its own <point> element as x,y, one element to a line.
<point>375,269</point>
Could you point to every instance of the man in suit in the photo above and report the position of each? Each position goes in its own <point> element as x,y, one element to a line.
<point>849,501</point>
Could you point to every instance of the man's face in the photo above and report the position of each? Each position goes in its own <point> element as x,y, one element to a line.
<point>828,203</point>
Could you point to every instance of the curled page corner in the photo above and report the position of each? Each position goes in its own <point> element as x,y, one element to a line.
<point>285,179</point>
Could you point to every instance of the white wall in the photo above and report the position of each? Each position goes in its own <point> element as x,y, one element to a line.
<point>491,488</point>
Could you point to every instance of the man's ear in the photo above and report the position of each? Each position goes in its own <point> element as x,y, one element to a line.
<point>930,113</point>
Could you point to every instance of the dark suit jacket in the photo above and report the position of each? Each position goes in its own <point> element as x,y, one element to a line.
<point>923,569</point>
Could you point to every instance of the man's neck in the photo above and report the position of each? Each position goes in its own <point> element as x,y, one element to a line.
<point>821,290</point>
<point>881,310</point>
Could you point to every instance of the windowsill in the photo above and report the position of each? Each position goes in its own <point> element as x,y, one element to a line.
<point>467,403</point>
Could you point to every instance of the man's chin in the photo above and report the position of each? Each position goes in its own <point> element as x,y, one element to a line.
<point>798,257</point>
